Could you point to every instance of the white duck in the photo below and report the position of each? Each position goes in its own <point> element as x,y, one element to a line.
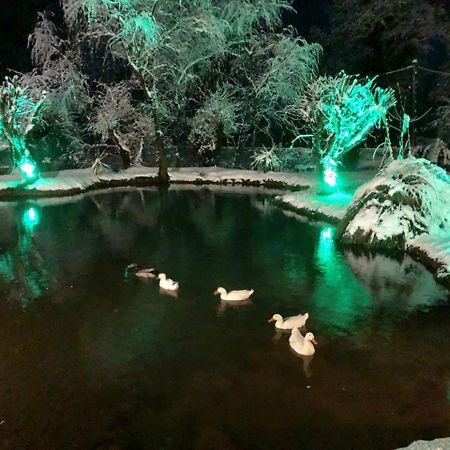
<point>233,295</point>
<point>290,322</point>
<point>167,283</point>
<point>302,345</point>
<point>141,273</point>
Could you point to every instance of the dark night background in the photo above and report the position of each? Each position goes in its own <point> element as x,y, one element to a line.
<point>366,37</point>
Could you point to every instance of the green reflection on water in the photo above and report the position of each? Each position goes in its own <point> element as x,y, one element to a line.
<point>30,219</point>
<point>339,298</point>
<point>24,266</point>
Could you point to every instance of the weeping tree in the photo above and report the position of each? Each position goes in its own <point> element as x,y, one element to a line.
<point>117,119</point>
<point>20,111</point>
<point>340,112</point>
<point>184,64</point>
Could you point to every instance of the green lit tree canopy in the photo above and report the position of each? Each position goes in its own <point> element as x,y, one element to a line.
<point>20,111</point>
<point>184,63</point>
<point>340,112</point>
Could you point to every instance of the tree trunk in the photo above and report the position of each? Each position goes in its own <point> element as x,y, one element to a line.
<point>123,150</point>
<point>253,144</point>
<point>163,174</point>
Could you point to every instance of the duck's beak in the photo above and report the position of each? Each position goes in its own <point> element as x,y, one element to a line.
<point>271,320</point>
<point>314,341</point>
<point>216,292</point>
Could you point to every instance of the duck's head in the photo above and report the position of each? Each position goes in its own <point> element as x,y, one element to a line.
<point>162,276</point>
<point>131,268</point>
<point>310,337</point>
<point>220,291</point>
<point>275,318</point>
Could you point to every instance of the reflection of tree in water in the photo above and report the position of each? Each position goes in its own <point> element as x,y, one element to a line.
<point>65,241</point>
<point>23,268</point>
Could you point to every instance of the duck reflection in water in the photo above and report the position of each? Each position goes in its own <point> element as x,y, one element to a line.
<point>168,292</point>
<point>224,305</point>
<point>306,363</point>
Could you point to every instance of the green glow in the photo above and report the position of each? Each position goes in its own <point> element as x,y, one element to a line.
<point>326,234</point>
<point>330,177</point>
<point>330,173</point>
<point>28,168</point>
<point>30,219</point>
<point>339,299</point>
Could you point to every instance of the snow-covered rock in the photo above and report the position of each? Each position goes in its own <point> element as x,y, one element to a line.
<point>409,198</point>
<point>437,444</point>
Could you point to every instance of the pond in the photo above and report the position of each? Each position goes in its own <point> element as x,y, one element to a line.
<point>90,359</point>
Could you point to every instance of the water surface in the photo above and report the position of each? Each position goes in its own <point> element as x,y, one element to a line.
<point>92,360</point>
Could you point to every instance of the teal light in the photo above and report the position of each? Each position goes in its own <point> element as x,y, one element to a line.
<point>330,174</point>
<point>28,168</point>
<point>330,177</point>
<point>30,218</point>
<point>326,233</point>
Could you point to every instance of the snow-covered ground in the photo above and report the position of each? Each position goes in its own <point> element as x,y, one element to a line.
<point>437,444</point>
<point>70,182</point>
<point>330,207</point>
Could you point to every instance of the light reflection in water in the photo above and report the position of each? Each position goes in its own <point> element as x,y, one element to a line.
<point>30,219</point>
<point>339,298</point>
<point>23,266</point>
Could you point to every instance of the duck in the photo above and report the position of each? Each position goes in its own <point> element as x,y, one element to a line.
<point>140,272</point>
<point>290,322</point>
<point>234,296</point>
<point>167,283</point>
<point>302,345</point>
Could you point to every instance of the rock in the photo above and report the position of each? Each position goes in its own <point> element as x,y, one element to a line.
<point>437,444</point>
<point>408,198</point>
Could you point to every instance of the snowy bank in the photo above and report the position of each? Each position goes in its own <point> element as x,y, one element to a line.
<point>70,182</point>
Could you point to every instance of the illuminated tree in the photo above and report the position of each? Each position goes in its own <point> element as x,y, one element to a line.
<point>189,66</point>
<point>20,111</point>
<point>340,112</point>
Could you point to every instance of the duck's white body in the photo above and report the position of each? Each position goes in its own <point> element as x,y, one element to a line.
<point>302,345</point>
<point>146,273</point>
<point>290,322</point>
<point>142,273</point>
<point>234,296</point>
<point>167,283</point>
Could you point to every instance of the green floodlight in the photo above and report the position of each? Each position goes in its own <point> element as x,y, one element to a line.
<point>330,174</point>
<point>28,168</point>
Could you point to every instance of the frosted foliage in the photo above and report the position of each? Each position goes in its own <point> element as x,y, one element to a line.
<point>409,198</point>
<point>44,41</point>
<point>219,112</point>
<point>340,112</point>
<point>289,72</point>
<point>246,15</point>
<point>189,63</point>
<point>437,152</point>
<point>115,115</point>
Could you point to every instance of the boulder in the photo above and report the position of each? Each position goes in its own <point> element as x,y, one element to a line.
<point>408,198</point>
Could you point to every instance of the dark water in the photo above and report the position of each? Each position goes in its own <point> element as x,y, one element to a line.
<point>89,360</point>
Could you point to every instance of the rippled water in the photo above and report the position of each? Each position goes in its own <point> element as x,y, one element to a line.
<point>91,360</point>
